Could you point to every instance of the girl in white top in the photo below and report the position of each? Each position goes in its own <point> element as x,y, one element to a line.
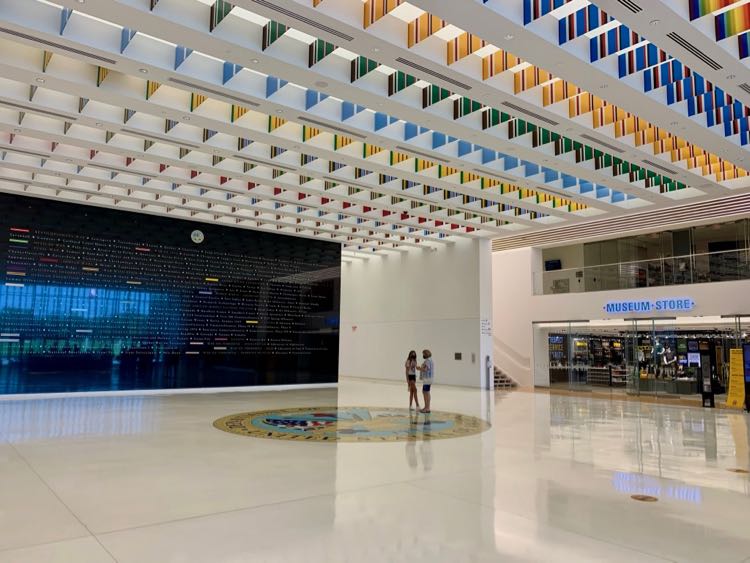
<point>427,370</point>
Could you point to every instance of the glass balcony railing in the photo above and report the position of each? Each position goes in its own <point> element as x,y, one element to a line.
<point>730,265</point>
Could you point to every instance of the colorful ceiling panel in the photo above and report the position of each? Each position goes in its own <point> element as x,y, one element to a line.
<point>384,125</point>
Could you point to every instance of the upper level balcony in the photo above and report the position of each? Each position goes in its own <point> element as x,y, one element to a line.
<point>730,265</point>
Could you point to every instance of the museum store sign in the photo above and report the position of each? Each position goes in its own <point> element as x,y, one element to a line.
<point>667,305</point>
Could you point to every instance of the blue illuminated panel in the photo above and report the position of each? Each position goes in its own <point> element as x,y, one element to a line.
<point>96,299</point>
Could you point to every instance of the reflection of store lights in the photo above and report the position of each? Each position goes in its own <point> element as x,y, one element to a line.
<point>636,483</point>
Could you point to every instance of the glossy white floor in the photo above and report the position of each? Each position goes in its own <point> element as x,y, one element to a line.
<point>89,480</point>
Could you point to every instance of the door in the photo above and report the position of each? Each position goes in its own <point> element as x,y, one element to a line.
<point>632,358</point>
<point>579,341</point>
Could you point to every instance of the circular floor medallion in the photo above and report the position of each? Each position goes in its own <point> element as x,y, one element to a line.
<point>351,424</point>
<point>644,498</point>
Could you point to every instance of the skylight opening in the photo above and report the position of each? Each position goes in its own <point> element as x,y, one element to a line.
<point>163,41</point>
<point>94,18</point>
<point>249,16</point>
<point>406,12</point>
<point>300,36</point>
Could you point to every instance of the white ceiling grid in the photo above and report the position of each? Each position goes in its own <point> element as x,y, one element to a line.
<point>312,118</point>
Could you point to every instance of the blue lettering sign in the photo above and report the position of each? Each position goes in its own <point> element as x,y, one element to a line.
<point>671,304</point>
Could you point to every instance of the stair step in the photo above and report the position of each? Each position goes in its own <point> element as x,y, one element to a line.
<point>502,381</point>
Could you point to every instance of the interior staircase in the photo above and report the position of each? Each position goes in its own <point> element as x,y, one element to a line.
<point>503,380</point>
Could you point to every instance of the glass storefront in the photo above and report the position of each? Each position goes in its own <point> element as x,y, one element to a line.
<point>658,356</point>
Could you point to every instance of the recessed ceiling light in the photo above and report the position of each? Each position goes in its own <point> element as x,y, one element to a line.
<point>279,111</point>
<point>654,22</point>
<point>509,36</point>
<point>41,80</point>
<point>143,70</point>
<point>254,61</point>
<point>375,50</point>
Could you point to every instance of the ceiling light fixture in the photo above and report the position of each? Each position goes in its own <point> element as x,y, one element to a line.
<point>41,80</point>
<point>279,111</point>
<point>654,22</point>
<point>143,70</point>
<point>508,36</point>
<point>254,61</point>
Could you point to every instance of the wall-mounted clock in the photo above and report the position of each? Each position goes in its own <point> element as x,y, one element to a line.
<point>197,236</point>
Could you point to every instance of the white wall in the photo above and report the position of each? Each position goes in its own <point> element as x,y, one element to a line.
<point>512,288</point>
<point>516,308</point>
<point>417,300</point>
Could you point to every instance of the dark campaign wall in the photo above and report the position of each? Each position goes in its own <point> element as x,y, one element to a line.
<point>97,299</point>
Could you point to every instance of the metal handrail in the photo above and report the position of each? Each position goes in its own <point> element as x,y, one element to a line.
<point>666,271</point>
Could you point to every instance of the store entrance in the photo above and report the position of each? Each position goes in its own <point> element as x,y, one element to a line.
<point>659,351</point>
<point>664,357</point>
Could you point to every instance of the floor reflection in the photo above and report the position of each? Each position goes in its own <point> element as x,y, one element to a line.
<point>44,419</point>
<point>551,480</point>
<point>663,441</point>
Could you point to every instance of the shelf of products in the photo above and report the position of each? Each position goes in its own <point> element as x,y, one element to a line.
<point>619,377</point>
<point>599,376</point>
